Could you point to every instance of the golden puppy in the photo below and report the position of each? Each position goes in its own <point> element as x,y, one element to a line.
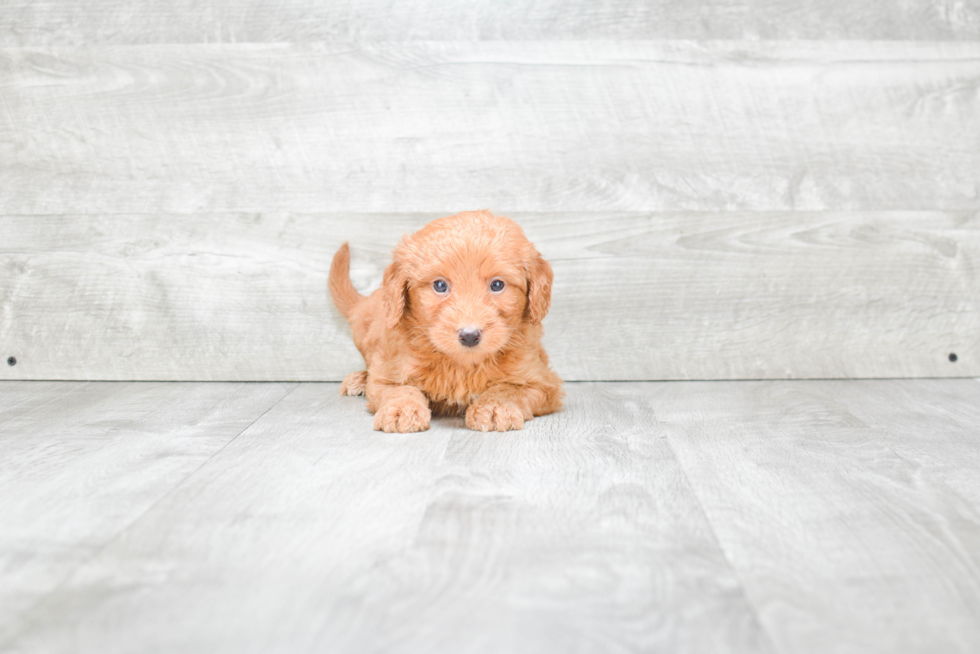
<point>454,328</point>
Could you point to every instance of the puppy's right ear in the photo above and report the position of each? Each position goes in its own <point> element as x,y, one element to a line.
<point>394,288</point>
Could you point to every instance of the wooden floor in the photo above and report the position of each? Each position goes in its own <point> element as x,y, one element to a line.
<point>803,516</point>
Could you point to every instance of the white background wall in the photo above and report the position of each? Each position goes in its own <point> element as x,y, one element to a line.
<point>726,189</point>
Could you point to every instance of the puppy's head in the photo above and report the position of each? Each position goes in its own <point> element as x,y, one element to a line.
<point>467,284</point>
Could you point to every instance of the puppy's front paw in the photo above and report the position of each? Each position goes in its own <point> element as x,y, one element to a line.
<point>354,383</point>
<point>493,416</point>
<point>402,416</point>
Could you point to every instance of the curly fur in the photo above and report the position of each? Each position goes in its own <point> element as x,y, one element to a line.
<point>408,333</point>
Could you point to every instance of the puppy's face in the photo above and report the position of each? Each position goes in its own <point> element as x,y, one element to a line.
<point>467,284</point>
<point>470,306</point>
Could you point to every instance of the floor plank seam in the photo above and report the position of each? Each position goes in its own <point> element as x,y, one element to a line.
<point>82,563</point>
<point>764,633</point>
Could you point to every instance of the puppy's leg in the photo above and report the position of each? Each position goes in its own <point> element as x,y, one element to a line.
<point>503,407</point>
<point>354,383</point>
<point>398,408</point>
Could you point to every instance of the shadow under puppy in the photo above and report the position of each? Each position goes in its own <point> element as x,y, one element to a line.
<point>455,328</point>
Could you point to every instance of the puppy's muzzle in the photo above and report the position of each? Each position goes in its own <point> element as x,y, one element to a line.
<point>469,336</point>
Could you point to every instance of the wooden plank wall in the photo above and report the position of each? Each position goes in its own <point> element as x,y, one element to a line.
<point>726,190</point>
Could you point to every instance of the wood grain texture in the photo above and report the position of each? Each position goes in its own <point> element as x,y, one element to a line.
<point>795,517</point>
<point>216,21</point>
<point>310,532</point>
<point>21,399</point>
<point>80,463</point>
<point>848,509</point>
<point>636,296</point>
<point>516,126</point>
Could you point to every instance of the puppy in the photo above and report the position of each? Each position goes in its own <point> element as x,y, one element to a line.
<point>455,328</point>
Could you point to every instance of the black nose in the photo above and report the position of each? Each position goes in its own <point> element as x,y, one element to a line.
<point>469,336</point>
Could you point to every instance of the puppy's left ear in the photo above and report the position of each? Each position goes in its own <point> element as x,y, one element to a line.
<point>539,278</point>
<point>395,287</point>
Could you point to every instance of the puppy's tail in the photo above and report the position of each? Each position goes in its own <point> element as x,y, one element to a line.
<point>344,295</point>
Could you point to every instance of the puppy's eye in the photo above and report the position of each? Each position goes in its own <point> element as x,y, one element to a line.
<point>497,285</point>
<point>440,286</point>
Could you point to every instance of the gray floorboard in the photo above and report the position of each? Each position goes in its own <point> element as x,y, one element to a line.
<point>821,516</point>
<point>849,509</point>
<point>80,463</point>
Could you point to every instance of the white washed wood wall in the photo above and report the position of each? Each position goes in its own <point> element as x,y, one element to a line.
<point>761,189</point>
